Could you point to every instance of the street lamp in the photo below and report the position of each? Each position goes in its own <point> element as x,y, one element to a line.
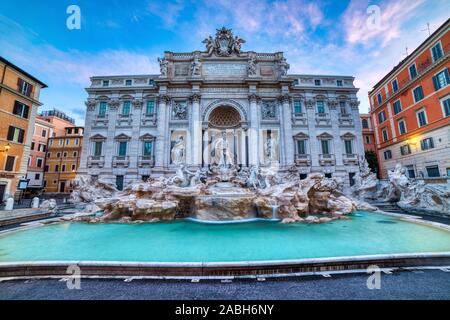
<point>7,147</point>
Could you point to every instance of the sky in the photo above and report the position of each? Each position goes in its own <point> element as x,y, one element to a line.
<point>360,38</point>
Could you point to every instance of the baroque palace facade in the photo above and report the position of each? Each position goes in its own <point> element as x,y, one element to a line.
<point>222,106</point>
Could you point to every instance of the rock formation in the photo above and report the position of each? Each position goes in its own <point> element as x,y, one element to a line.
<point>220,193</point>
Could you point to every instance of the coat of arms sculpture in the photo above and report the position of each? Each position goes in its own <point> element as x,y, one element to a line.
<point>224,44</point>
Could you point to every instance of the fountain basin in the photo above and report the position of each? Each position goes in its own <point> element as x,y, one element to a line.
<point>186,241</point>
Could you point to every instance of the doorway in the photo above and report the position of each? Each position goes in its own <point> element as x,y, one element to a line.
<point>2,192</point>
<point>62,186</point>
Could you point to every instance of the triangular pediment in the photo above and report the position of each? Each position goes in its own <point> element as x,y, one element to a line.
<point>147,136</point>
<point>348,135</point>
<point>122,136</point>
<point>301,136</point>
<point>98,137</point>
<point>325,135</point>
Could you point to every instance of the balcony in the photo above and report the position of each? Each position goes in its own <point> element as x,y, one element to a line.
<point>121,161</point>
<point>300,119</point>
<point>327,159</point>
<point>124,120</point>
<point>323,119</point>
<point>350,159</point>
<point>346,120</point>
<point>149,120</point>
<point>302,160</point>
<point>146,161</point>
<point>100,121</point>
<point>96,161</point>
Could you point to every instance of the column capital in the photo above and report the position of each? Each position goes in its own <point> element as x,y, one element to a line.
<point>195,97</point>
<point>253,97</point>
<point>163,98</point>
<point>284,98</point>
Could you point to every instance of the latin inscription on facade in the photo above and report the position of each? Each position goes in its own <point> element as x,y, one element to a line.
<point>225,69</point>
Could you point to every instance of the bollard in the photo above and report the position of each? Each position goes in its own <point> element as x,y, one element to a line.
<point>9,204</point>
<point>35,203</point>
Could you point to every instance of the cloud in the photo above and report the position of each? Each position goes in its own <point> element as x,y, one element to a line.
<point>378,26</point>
<point>168,12</point>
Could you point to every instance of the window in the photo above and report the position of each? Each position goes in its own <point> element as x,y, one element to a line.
<point>365,124</point>
<point>9,165</point>
<point>411,172</point>
<point>148,148</point>
<point>75,154</point>
<point>387,155</point>
<point>126,108</point>
<point>61,142</point>
<point>122,148</point>
<point>433,171</point>
<point>441,80</point>
<point>325,146</point>
<point>32,145</point>
<point>128,82</point>
<point>58,155</point>
<point>21,109</point>
<point>119,182</point>
<point>395,85</point>
<point>379,98</point>
<point>67,142</point>
<point>405,150</point>
<point>367,139</point>
<point>328,175</point>
<point>57,168</point>
<point>46,168</point>
<point>342,106</point>
<point>77,141</point>
<point>63,168</point>
<point>98,148</point>
<point>74,168</point>
<point>418,93</point>
<point>150,107</point>
<point>105,83</point>
<point>41,147</point>
<point>145,178</point>
<point>102,109</point>
<point>39,162</point>
<point>15,134</point>
<point>50,142</point>
<point>412,71</point>
<point>381,117</point>
<point>446,107</point>
<point>303,176</point>
<point>44,133</point>
<point>348,147</point>
<point>301,147</point>
<point>385,135</point>
<point>317,82</point>
<point>65,154</point>
<point>339,83</point>
<point>151,82</point>
<point>426,144</point>
<point>320,107</point>
<point>49,154</point>
<point>397,106</point>
<point>401,126</point>
<point>421,118</point>
<point>297,106</point>
<point>24,87</point>
<point>437,51</point>
<point>448,172</point>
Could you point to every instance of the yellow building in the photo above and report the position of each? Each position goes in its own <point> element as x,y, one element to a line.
<point>19,101</point>
<point>63,160</point>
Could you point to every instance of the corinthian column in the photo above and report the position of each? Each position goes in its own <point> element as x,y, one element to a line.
<point>196,140</point>
<point>287,131</point>
<point>162,128</point>
<point>253,131</point>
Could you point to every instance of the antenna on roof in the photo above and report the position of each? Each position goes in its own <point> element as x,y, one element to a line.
<point>406,52</point>
<point>427,29</point>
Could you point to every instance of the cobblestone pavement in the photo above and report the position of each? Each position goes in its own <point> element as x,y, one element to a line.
<point>428,284</point>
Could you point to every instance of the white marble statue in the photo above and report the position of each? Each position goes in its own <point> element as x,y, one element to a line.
<point>178,151</point>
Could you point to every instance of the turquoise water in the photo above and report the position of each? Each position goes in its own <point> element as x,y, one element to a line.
<point>187,241</point>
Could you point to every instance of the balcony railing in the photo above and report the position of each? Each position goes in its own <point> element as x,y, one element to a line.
<point>350,158</point>
<point>327,159</point>
<point>123,161</point>
<point>146,161</point>
<point>302,159</point>
<point>346,120</point>
<point>149,119</point>
<point>300,118</point>
<point>96,161</point>
<point>323,119</point>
